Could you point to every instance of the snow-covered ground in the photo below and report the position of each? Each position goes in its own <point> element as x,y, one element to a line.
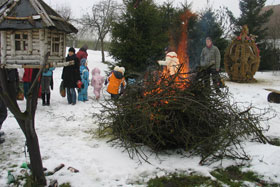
<point>66,136</point>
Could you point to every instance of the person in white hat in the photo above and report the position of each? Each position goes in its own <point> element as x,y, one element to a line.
<point>172,63</point>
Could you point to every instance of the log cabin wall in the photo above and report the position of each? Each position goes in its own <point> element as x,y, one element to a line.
<point>30,46</point>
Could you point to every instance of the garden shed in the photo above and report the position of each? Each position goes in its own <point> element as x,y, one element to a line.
<point>29,30</point>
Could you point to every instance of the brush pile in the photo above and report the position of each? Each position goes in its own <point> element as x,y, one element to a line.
<point>180,112</point>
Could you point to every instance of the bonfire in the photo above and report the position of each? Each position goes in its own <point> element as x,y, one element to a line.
<point>178,112</point>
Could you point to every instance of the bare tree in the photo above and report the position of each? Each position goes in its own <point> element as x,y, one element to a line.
<point>226,21</point>
<point>66,13</point>
<point>100,20</point>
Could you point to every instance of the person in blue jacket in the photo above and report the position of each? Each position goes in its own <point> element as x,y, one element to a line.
<point>46,83</point>
<point>83,92</point>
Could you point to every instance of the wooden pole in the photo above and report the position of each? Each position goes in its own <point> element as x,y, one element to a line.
<point>3,47</point>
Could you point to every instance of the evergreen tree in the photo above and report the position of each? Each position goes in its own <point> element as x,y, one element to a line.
<point>138,38</point>
<point>253,17</point>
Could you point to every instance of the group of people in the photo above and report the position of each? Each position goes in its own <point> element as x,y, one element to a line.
<point>76,76</point>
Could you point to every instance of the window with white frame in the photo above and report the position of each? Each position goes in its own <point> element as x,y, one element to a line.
<point>55,44</point>
<point>21,41</point>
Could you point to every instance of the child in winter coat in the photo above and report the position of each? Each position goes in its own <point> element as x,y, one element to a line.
<point>46,84</point>
<point>97,82</point>
<point>83,92</point>
<point>116,82</point>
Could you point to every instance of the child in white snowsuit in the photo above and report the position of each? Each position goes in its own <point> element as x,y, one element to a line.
<point>83,92</point>
<point>97,82</point>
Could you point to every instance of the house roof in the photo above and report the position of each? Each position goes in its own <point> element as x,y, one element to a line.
<point>31,14</point>
<point>273,24</point>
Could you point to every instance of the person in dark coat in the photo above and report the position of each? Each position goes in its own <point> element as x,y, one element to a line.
<point>13,81</point>
<point>3,116</point>
<point>82,53</point>
<point>71,75</point>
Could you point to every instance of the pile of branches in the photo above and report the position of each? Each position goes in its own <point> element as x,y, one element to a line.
<point>174,112</point>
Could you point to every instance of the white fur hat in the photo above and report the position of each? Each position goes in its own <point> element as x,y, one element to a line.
<point>122,69</point>
<point>171,54</point>
<point>116,68</point>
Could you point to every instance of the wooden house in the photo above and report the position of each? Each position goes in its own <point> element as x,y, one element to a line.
<point>29,30</point>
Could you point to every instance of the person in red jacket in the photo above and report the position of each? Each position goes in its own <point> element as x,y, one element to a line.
<point>27,80</point>
<point>82,53</point>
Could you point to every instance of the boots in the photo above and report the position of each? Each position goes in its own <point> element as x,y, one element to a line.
<point>48,99</point>
<point>43,99</point>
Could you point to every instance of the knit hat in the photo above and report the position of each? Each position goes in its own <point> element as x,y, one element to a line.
<point>71,49</point>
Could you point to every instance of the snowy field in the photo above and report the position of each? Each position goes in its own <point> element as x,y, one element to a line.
<point>65,136</point>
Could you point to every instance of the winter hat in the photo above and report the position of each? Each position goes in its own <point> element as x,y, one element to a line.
<point>171,54</point>
<point>83,61</point>
<point>122,69</point>
<point>95,71</point>
<point>209,38</point>
<point>71,49</point>
<point>117,68</point>
<point>85,47</point>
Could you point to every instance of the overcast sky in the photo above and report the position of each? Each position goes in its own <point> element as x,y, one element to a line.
<point>80,6</point>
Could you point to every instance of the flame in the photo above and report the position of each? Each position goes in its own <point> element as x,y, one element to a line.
<point>181,80</point>
<point>182,46</point>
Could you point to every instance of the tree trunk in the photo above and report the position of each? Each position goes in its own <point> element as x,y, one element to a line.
<point>102,49</point>
<point>26,120</point>
<point>96,44</point>
<point>30,134</point>
<point>34,153</point>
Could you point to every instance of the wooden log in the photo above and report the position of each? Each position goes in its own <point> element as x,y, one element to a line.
<point>21,53</point>
<point>13,45</point>
<point>24,61</point>
<point>30,45</point>
<point>28,57</point>
<point>61,40</point>
<point>42,42</point>
<point>64,45</point>
<point>3,47</point>
<point>56,58</point>
<point>57,18</point>
<point>53,64</point>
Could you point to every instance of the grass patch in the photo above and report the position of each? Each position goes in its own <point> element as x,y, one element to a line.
<point>65,185</point>
<point>275,141</point>
<point>182,181</point>
<point>231,176</point>
<point>234,177</point>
